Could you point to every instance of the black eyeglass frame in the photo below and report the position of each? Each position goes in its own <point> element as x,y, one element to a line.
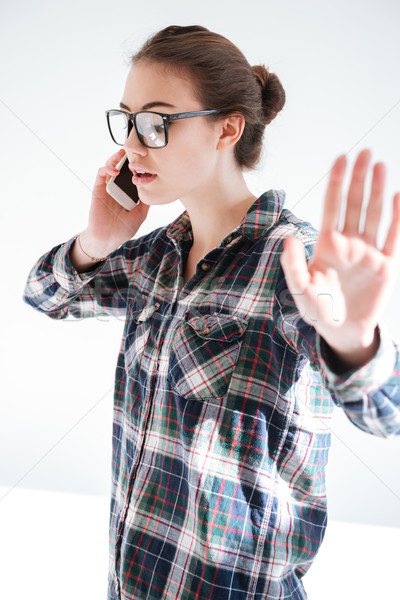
<point>166,119</point>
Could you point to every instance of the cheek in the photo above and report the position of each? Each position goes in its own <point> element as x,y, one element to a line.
<point>194,145</point>
<point>186,165</point>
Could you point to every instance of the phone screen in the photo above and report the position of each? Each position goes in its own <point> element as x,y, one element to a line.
<point>124,181</point>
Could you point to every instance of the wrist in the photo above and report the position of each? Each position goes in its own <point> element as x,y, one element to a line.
<point>92,258</point>
<point>346,356</point>
<point>94,249</point>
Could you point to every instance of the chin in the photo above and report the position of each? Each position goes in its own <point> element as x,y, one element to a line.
<point>153,200</point>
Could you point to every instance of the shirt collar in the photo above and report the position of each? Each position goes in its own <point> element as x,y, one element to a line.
<point>260,217</point>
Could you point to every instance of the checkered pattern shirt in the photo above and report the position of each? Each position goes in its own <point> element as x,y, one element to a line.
<point>222,409</point>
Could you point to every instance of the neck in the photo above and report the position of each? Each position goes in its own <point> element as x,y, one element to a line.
<point>215,212</point>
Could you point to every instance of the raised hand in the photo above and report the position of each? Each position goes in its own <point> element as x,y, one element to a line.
<point>344,288</point>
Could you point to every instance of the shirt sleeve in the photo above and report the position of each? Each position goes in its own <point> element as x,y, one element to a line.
<point>55,288</point>
<point>369,395</point>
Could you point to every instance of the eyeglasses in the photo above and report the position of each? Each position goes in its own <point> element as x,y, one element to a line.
<point>151,127</point>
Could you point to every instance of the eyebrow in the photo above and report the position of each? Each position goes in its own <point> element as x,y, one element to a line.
<point>148,105</point>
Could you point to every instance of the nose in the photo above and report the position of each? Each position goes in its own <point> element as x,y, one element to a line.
<point>133,145</point>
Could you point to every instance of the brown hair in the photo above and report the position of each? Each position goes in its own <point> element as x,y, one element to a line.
<point>223,79</point>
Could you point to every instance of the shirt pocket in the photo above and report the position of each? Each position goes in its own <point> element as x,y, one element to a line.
<point>137,333</point>
<point>204,353</point>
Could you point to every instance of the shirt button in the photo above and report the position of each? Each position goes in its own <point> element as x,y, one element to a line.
<point>205,266</point>
<point>157,305</point>
<point>205,331</point>
<point>229,239</point>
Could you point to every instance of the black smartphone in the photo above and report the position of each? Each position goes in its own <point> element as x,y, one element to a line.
<point>121,187</point>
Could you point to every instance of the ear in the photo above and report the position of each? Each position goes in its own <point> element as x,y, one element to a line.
<point>231,129</point>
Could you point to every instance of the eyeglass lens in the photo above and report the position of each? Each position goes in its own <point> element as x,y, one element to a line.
<point>150,128</point>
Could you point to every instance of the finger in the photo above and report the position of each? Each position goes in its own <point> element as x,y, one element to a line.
<point>333,196</point>
<point>104,174</point>
<point>374,210</point>
<point>112,162</point>
<point>392,244</point>
<point>294,265</point>
<point>115,158</point>
<point>109,170</point>
<point>356,194</point>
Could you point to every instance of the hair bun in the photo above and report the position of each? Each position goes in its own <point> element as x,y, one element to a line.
<point>273,95</point>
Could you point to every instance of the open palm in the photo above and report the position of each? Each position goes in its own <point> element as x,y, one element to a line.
<point>344,288</point>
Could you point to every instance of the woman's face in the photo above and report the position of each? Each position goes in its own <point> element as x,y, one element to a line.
<point>188,165</point>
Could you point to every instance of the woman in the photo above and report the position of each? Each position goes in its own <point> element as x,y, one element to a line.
<point>243,330</point>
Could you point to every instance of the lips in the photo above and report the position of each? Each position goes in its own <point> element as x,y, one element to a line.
<point>141,175</point>
<point>139,169</point>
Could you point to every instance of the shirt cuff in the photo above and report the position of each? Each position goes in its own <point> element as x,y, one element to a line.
<point>65,273</point>
<point>352,385</point>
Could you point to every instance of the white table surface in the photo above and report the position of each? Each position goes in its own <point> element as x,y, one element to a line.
<point>54,546</point>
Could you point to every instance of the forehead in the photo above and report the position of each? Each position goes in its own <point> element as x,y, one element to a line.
<point>149,82</point>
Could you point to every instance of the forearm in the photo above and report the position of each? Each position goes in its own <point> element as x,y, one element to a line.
<point>56,288</point>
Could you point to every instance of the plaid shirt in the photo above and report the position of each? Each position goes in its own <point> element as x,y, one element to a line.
<point>222,409</point>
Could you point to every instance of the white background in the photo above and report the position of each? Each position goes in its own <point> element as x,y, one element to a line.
<point>63,64</point>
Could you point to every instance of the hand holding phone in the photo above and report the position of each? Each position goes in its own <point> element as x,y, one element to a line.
<point>110,223</point>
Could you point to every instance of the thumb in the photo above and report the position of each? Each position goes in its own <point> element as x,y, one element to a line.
<point>294,265</point>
